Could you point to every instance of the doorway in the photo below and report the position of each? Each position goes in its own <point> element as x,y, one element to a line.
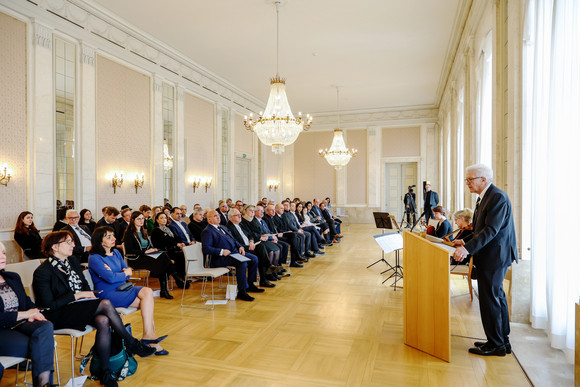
<point>397,178</point>
<point>242,179</point>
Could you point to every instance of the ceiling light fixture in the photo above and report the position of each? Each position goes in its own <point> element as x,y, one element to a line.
<point>276,126</point>
<point>338,155</point>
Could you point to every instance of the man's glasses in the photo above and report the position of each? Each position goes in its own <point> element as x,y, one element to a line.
<point>469,180</point>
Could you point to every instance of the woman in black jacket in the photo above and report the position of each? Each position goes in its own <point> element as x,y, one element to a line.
<point>24,331</point>
<point>139,254</point>
<point>59,283</point>
<point>443,227</point>
<point>27,235</point>
<point>87,220</point>
<point>163,239</point>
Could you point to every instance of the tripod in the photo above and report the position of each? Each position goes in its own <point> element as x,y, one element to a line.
<point>383,221</point>
<point>410,208</point>
<point>397,270</point>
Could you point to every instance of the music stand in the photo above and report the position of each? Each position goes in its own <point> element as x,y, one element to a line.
<point>391,242</point>
<point>382,220</point>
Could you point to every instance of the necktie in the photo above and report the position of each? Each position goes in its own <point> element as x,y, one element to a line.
<point>80,230</point>
<point>476,208</point>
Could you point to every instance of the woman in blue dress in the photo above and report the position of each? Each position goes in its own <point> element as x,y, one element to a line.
<point>109,271</point>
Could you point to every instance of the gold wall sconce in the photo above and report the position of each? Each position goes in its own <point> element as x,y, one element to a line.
<point>5,175</point>
<point>200,181</point>
<point>273,185</point>
<point>139,180</point>
<point>116,180</point>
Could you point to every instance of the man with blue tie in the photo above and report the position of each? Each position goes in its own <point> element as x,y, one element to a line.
<point>179,228</point>
<point>284,247</point>
<point>218,242</point>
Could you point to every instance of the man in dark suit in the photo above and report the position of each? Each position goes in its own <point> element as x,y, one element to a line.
<point>60,219</point>
<point>292,224</point>
<point>218,242</point>
<point>277,225</point>
<point>81,235</point>
<point>223,212</point>
<point>431,201</point>
<point>248,244</point>
<point>179,228</point>
<point>493,246</point>
<point>284,247</point>
<point>122,223</point>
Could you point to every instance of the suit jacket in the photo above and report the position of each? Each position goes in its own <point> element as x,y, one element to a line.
<point>59,225</point>
<point>271,224</point>
<point>196,228</point>
<point>493,244</point>
<point>8,319</point>
<point>163,241</point>
<point>237,234</point>
<point>51,286</point>
<point>431,200</point>
<point>326,215</point>
<point>133,245</point>
<point>223,218</point>
<point>179,234</point>
<point>252,229</point>
<point>79,250</point>
<point>213,241</point>
<point>291,222</point>
<point>120,227</point>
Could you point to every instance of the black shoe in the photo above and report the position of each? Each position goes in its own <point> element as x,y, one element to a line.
<point>254,289</point>
<point>245,296</point>
<point>271,277</point>
<point>296,264</point>
<point>266,284</point>
<point>319,252</point>
<point>508,346</point>
<point>165,294</point>
<point>138,348</point>
<point>309,255</point>
<point>107,379</point>
<point>486,350</point>
<point>154,341</point>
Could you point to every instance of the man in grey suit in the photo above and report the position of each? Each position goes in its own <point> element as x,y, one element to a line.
<point>493,247</point>
<point>431,201</point>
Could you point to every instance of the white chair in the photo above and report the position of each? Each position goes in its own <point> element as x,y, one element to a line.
<point>143,273</point>
<point>9,361</point>
<point>74,334</point>
<point>26,272</point>
<point>194,268</point>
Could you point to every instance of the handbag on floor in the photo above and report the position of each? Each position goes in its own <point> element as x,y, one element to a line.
<point>122,364</point>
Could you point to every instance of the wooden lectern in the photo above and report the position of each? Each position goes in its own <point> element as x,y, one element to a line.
<point>426,296</point>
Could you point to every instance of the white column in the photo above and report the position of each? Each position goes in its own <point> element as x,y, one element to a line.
<point>179,183</point>
<point>156,172</point>
<point>287,183</point>
<point>374,147</point>
<point>87,163</point>
<point>218,180</point>
<point>43,127</point>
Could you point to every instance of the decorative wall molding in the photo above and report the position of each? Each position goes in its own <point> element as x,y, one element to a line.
<point>87,21</point>
<point>42,36</point>
<point>411,115</point>
<point>87,54</point>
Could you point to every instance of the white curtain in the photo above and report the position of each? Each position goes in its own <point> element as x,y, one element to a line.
<point>484,103</point>
<point>551,81</point>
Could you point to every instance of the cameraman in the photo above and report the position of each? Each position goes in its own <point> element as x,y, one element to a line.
<point>410,207</point>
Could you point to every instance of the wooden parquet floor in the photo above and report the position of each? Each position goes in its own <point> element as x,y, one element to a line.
<point>332,323</point>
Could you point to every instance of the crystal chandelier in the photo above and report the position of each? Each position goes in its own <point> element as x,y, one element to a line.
<point>277,126</point>
<point>338,155</point>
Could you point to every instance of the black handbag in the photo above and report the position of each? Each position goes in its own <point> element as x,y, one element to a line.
<point>126,286</point>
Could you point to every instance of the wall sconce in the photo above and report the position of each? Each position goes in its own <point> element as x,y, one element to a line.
<point>273,185</point>
<point>139,180</point>
<point>5,175</point>
<point>197,181</point>
<point>117,180</point>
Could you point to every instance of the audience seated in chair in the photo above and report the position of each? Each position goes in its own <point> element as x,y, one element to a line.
<point>27,236</point>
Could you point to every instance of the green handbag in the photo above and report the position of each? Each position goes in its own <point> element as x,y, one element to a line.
<point>121,365</point>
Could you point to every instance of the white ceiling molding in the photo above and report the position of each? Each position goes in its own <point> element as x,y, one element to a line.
<point>403,116</point>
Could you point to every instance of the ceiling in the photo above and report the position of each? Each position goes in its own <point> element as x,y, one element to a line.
<point>382,53</point>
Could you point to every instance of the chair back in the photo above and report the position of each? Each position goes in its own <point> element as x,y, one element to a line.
<point>193,258</point>
<point>26,271</point>
<point>89,278</point>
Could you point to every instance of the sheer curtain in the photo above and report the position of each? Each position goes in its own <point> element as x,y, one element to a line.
<point>551,80</point>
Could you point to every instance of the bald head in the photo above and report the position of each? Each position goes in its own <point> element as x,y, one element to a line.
<point>213,217</point>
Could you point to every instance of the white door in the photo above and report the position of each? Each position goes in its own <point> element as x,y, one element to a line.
<point>242,180</point>
<point>398,177</point>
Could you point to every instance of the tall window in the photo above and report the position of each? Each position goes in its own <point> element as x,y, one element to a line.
<point>64,91</point>
<point>484,105</point>
<point>460,151</point>
<point>168,143</point>
<point>551,77</point>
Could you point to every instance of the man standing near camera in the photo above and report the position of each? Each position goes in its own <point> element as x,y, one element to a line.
<point>410,206</point>
<point>431,201</point>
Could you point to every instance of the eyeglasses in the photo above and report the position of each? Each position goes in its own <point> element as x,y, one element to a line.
<point>74,217</point>
<point>469,180</point>
<point>68,242</point>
